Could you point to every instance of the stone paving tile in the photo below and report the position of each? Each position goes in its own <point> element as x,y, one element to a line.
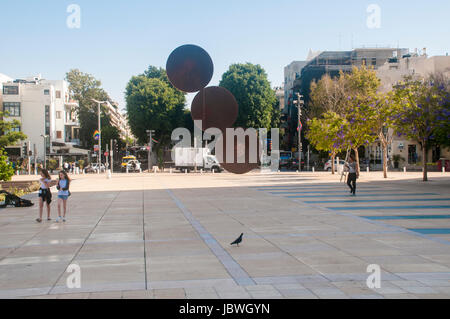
<point>401,296</point>
<point>329,293</point>
<point>265,294</point>
<point>362,296</point>
<point>137,294</point>
<point>74,296</point>
<point>106,295</point>
<point>420,290</point>
<point>169,293</point>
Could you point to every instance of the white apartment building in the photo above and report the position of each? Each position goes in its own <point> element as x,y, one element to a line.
<point>46,113</point>
<point>119,120</point>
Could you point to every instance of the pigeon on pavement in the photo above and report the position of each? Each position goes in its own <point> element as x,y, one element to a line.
<point>237,241</point>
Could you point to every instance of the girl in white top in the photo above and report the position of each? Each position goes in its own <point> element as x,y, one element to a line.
<point>45,194</point>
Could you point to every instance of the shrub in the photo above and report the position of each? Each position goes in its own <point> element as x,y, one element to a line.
<point>6,169</point>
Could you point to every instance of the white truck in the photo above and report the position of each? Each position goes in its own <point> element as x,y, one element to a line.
<point>188,158</point>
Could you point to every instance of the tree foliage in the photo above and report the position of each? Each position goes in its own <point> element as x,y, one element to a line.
<point>256,99</point>
<point>8,136</point>
<point>154,104</point>
<point>84,88</point>
<point>422,111</point>
<point>6,169</point>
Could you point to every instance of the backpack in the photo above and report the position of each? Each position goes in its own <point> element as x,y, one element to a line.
<point>15,201</point>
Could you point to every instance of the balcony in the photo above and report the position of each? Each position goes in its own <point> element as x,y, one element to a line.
<point>73,141</point>
<point>71,103</point>
<point>71,122</point>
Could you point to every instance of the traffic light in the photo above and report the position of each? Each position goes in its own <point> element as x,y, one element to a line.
<point>270,144</point>
<point>25,150</point>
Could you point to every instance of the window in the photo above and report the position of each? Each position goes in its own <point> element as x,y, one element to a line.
<point>58,134</point>
<point>11,90</point>
<point>58,115</point>
<point>58,94</point>
<point>374,61</point>
<point>46,92</point>
<point>47,119</point>
<point>12,108</point>
<point>364,61</point>
<point>15,129</point>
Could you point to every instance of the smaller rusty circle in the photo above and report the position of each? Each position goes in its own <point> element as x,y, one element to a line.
<point>189,68</point>
<point>216,107</point>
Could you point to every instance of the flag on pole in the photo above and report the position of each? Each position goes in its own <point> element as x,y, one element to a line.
<point>300,126</point>
<point>96,135</point>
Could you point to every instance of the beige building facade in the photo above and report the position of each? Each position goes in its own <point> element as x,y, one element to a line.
<point>391,73</point>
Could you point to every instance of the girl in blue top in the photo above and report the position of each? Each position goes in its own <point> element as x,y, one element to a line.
<point>63,194</point>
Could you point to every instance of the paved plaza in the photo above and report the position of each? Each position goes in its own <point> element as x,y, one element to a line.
<point>169,235</point>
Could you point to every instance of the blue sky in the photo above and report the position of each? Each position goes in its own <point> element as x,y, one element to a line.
<point>118,39</point>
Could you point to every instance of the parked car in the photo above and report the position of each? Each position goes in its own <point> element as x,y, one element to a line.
<point>93,168</point>
<point>327,166</point>
<point>285,159</point>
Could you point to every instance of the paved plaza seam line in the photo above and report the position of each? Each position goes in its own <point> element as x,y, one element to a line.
<point>143,237</point>
<point>235,270</point>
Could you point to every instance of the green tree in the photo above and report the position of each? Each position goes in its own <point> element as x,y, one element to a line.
<point>251,88</point>
<point>153,104</point>
<point>421,110</point>
<point>362,85</point>
<point>327,134</point>
<point>84,87</point>
<point>110,133</point>
<point>6,169</point>
<point>8,136</point>
<point>328,94</point>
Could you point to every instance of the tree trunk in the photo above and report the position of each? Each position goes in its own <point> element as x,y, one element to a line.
<point>357,160</point>
<point>385,159</point>
<point>425,161</point>
<point>333,156</point>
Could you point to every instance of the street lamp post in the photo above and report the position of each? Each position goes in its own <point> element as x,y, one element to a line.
<point>300,103</point>
<point>150,135</point>
<point>99,159</point>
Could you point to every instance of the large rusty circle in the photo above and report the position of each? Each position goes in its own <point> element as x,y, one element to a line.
<point>189,68</point>
<point>240,148</point>
<point>215,107</point>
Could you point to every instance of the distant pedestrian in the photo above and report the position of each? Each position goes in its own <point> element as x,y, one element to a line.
<point>45,194</point>
<point>63,194</point>
<point>353,175</point>
<point>66,167</point>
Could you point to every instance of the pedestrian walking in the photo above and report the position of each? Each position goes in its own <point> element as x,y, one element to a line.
<point>45,195</point>
<point>63,194</point>
<point>353,175</point>
<point>66,166</point>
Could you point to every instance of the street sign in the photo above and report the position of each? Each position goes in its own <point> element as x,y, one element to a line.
<point>106,154</point>
<point>95,148</point>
